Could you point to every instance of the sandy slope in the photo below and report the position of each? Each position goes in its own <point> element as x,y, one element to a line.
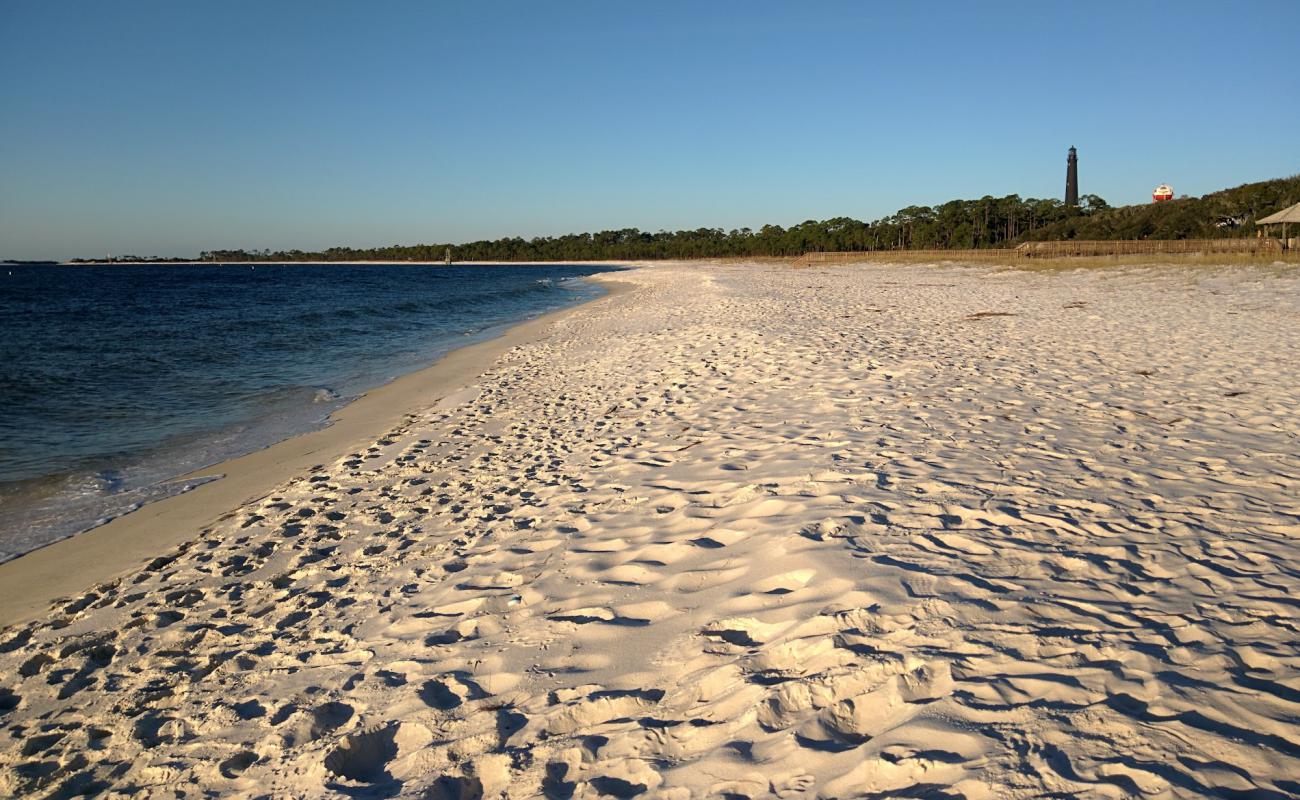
<point>746,532</point>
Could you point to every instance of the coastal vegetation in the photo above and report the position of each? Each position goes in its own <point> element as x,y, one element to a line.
<point>988,222</point>
<point>1226,213</point>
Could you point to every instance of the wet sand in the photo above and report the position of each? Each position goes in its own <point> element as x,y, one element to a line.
<point>29,585</point>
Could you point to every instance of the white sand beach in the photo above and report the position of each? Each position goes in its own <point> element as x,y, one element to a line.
<point>740,531</point>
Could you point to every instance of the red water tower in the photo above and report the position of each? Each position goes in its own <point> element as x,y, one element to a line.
<point>1161,193</point>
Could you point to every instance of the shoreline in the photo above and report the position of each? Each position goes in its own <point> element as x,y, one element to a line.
<point>867,257</point>
<point>31,582</point>
<point>612,262</point>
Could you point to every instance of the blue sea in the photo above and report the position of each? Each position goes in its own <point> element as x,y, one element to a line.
<point>116,379</point>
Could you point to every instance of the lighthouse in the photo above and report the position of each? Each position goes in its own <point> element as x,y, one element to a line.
<point>1072,178</point>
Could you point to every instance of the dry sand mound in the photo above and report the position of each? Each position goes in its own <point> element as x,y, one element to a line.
<point>745,532</point>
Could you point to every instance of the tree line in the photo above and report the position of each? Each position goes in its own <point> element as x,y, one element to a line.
<point>989,222</point>
<point>1224,214</point>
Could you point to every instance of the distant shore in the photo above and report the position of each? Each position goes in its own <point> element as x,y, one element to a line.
<point>864,257</point>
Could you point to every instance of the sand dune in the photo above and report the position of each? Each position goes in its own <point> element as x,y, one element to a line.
<point>745,532</point>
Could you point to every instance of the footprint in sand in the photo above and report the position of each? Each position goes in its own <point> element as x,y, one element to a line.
<point>376,755</point>
<point>854,720</point>
<point>743,631</point>
<point>450,691</point>
<point>718,538</point>
<point>631,614</point>
<point>786,582</point>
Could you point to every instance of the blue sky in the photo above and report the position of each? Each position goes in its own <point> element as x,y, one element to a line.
<point>172,127</point>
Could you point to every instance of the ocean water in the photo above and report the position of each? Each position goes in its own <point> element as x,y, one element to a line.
<point>116,379</point>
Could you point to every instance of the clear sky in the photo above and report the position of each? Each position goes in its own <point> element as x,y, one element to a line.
<point>171,127</point>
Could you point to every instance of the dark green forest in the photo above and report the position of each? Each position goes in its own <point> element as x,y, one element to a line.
<point>1223,214</point>
<point>958,224</point>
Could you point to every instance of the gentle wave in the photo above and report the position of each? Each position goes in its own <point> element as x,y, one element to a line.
<point>117,378</point>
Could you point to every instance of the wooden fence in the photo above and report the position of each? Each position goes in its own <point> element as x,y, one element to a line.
<point>1084,247</point>
<point>1061,249</point>
<point>813,259</point>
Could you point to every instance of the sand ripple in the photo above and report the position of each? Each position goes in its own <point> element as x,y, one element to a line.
<point>745,532</point>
